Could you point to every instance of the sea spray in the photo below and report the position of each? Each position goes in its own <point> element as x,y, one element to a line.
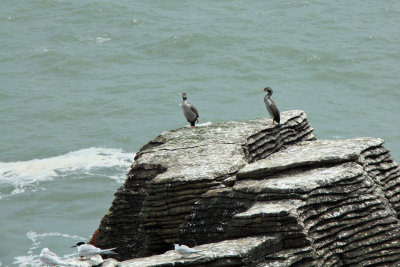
<point>23,174</point>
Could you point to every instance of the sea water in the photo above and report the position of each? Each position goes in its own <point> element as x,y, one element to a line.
<point>85,84</point>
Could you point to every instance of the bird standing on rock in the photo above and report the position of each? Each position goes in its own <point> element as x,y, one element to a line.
<point>190,111</point>
<point>51,259</point>
<point>185,250</point>
<point>271,106</point>
<point>87,250</point>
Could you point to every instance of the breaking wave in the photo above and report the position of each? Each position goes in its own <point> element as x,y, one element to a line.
<point>22,174</point>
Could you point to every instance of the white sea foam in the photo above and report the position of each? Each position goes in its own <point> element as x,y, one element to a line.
<point>27,260</point>
<point>36,237</point>
<point>101,40</point>
<point>32,257</point>
<point>25,173</point>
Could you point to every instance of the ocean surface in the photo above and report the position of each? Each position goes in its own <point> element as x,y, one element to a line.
<point>85,84</point>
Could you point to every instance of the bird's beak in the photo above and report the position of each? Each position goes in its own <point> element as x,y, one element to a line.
<point>73,246</point>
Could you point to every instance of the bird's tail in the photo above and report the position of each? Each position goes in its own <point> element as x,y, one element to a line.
<point>108,251</point>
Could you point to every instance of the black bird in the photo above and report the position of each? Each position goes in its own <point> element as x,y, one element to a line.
<point>190,112</point>
<point>271,106</point>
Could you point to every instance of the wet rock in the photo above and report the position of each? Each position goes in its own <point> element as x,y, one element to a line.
<point>257,194</point>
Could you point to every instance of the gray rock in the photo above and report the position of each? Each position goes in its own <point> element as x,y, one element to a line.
<point>322,152</point>
<point>96,260</point>
<point>173,171</point>
<point>110,263</point>
<point>238,252</point>
<point>257,194</point>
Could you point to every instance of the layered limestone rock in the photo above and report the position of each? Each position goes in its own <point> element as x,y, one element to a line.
<point>240,252</point>
<point>253,193</point>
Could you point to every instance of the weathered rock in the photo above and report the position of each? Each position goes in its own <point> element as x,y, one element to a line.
<point>96,260</point>
<point>238,252</point>
<point>253,193</point>
<point>174,170</point>
<point>110,263</point>
<point>343,209</point>
<point>320,152</point>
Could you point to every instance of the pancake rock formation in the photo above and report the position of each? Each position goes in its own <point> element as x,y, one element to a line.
<point>256,194</point>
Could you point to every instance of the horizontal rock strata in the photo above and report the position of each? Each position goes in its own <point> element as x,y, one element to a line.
<point>252,193</point>
<point>174,170</point>
<point>237,252</point>
<point>318,196</point>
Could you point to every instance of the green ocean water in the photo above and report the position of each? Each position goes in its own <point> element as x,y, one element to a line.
<point>85,84</point>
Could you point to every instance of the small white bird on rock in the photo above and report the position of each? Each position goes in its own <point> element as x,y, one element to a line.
<point>87,250</point>
<point>51,259</point>
<point>185,250</point>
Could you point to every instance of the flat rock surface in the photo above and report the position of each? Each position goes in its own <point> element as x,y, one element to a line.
<point>300,181</point>
<point>309,153</point>
<point>226,252</point>
<point>271,208</point>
